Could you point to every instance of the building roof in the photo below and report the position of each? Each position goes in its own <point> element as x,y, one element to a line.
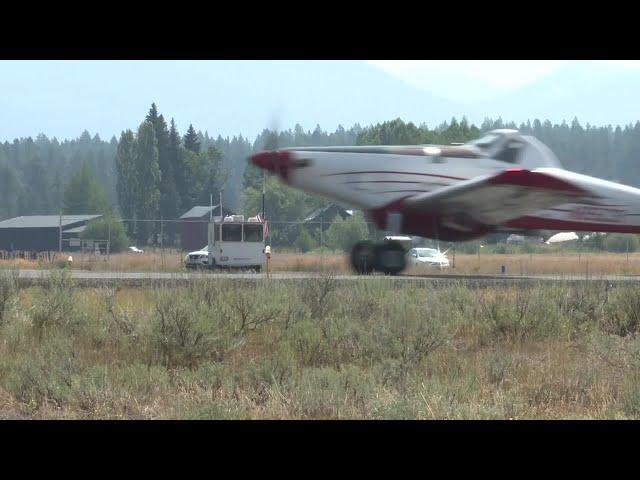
<point>327,209</point>
<point>79,229</point>
<point>199,212</point>
<point>45,221</point>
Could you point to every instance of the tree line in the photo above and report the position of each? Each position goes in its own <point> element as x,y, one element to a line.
<point>155,172</point>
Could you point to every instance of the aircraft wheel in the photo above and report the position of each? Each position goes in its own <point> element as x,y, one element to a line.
<point>363,257</point>
<point>390,258</point>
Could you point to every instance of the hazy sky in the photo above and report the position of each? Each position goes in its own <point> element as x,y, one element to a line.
<point>62,98</point>
<point>473,80</point>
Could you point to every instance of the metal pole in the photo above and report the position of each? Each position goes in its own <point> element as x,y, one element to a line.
<point>264,189</point>
<point>221,217</point>
<point>162,240</point>
<point>454,257</point>
<point>109,242</point>
<point>627,249</point>
<point>60,234</point>
<point>321,244</point>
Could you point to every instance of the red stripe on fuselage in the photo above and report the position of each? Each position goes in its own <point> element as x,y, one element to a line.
<point>395,173</point>
<point>381,181</point>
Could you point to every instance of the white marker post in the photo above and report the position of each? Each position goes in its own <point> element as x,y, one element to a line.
<point>267,253</point>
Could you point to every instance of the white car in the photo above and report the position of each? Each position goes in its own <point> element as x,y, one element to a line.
<point>135,250</point>
<point>428,257</point>
<point>199,258</point>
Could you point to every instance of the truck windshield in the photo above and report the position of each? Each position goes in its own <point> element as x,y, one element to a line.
<point>253,233</point>
<point>231,232</point>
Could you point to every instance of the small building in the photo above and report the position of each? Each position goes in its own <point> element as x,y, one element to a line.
<point>41,233</point>
<point>193,226</point>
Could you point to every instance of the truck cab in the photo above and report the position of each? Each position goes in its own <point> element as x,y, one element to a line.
<point>236,243</point>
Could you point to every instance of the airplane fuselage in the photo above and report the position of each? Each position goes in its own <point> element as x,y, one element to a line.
<point>378,179</point>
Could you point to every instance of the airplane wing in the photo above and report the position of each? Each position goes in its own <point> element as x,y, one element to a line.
<point>494,200</point>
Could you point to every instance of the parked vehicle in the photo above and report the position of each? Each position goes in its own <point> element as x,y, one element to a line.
<point>197,259</point>
<point>233,243</point>
<point>135,250</point>
<point>427,257</point>
<point>237,243</point>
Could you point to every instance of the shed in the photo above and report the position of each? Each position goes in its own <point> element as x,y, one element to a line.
<point>193,225</point>
<point>40,233</point>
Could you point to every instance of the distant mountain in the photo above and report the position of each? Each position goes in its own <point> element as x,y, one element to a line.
<point>584,90</point>
<point>222,97</point>
<point>64,98</point>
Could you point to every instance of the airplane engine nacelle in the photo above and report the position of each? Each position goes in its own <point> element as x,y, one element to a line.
<point>456,227</point>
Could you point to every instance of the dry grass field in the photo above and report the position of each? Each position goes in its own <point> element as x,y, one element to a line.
<point>311,350</point>
<point>593,264</point>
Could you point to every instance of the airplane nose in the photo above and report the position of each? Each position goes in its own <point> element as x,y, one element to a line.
<point>278,162</point>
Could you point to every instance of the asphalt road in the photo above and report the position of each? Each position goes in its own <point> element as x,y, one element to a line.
<point>89,278</point>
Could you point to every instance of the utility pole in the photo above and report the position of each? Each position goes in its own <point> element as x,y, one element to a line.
<point>60,234</point>
<point>321,243</point>
<point>162,239</point>
<point>109,242</point>
<point>264,189</point>
<point>221,215</point>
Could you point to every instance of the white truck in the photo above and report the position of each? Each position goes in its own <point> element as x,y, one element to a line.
<point>232,243</point>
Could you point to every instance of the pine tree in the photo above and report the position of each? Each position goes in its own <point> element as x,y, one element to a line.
<point>152,116</point>
<point>37,198</point>
<point>176,160</point>
<point>9,192</point>
<point>191,141</point>
<point>147,171</point>
<point>169,202</point>
<point>84,196</point>
<point>126,176</point>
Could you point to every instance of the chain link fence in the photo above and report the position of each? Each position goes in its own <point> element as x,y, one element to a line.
<point>135,245</point>
<point>161,245</point>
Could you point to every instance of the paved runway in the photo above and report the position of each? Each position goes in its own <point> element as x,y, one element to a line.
<point>89,278</point>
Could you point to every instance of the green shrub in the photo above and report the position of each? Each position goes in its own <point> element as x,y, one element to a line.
<point>516,314</point>
<point>209,376</point>
<point>305,243</point>
<point>343,234</point>
<point>620,242</point>
<point>55,306</point>
<point>327,393</point>
<point>622,312</point>
<point>107,228</point>
<point>631,396</point>
<point>44,376</point>
<point>308,343</point>
<point>8,293</point>
<point>178,331</point>
<point>205,409</point>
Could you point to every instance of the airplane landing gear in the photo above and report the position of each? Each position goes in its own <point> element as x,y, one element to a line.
<point>363,257</point>
<point>388,258</point>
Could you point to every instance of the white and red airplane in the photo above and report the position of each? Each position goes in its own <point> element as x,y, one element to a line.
<point>504,181</point>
